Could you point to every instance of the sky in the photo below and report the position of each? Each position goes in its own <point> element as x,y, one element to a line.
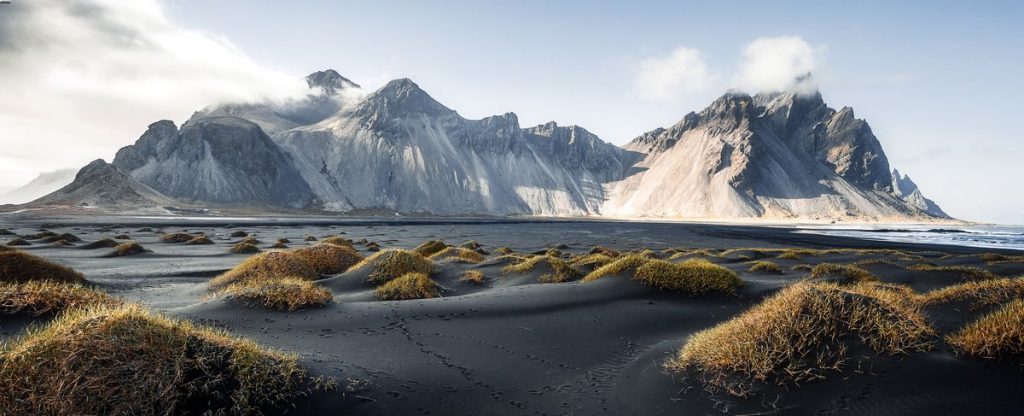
<point>938,81</point>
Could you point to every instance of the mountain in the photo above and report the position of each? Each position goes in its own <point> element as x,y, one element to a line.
<point>782,155</point>
<point>43,184</point>
<point>100,184</point>
<point>215,159</point>
<point>773,155</point>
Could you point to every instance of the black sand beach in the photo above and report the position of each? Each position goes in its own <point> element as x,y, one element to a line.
<point>514,346</point>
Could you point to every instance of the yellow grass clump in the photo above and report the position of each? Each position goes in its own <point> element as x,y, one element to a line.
<point>176,237</point>
<point>764,266</point>
<point>199,240</point>
<point>390,264</point>
<point>412,285</point>
<point>269,265</point>
<point>239,234</point>
<point>620,265</point>
<point>70,238</point>
<point>502,250</point>
<point>281,293</point>
<point>694,276</point>
<point>41,297</point>
<point>244,248</point>
<point>337,241</point>
<point>329,258</point>
<point>844,273</point>
<point>591,260</point>
<point>604,250</point>
<point>474,277</point>
<point>457,254</point>
<point>127,248</point>
<point>561,272</point>
<point>127,360</point>
<point>19,267</point>
<point>104,243</point>
<point>978,293</point>
<point>965,272</point>
<point>801,334</point>
<point>999,334</point>
<point>429,247</point>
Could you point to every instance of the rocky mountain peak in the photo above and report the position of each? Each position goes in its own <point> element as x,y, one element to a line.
<point>397,99</point>
<point>329,81</point>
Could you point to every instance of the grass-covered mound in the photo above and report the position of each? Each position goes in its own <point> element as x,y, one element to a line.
<point>239,234</point>
<point>127,360</point>
<point>104,243</point>
<point>176,237</point>
<point>127,249</point>
<point>978,293</point>
<point>473,277</point>
<point>281,293</point>
<point>390,264</point>
<point>269,265</point>
<point>457,254</point>
<point>329,258</point>
<point>999,334</point>
<point>19,267</point>
<point>244,248</point>
<point>337,241</point>
<point>619,266</point>
<point>593,260</point>
<point>764,266</point>
<point>693,276</point>
<point>429,247</point>
<point>842,273</point>
<point>41,297</point>
<point>68,237</point>
<point>802,333</point>
<point>14,242</point>
<point>965,272</point>
<point>409,286</point>
<point>561,270</point>
<point>200,240</point>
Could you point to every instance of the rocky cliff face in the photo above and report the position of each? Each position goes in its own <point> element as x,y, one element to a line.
<point>778,155</point>
<point>217,159</point>
<point>100,184</point>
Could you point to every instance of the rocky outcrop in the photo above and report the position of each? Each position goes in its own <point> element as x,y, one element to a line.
<point>219,160</point>
<point>100,184</point>
<point>907,190</point>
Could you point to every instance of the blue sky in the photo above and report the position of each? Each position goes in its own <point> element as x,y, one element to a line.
<point>938,81</point>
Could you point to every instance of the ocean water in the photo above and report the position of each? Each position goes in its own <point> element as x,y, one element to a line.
<point>1009,237</point>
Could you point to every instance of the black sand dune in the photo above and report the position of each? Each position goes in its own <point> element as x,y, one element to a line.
<point>515,346</point>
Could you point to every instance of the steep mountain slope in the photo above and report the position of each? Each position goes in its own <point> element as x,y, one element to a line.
<point>43,184</point>
<point>401,150</point>
<point>779,155</point>
<point>906,189</point>
<point>100,184</point>
<point>217,159</point>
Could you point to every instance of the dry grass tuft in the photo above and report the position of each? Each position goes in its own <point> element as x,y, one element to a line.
<point>999,334</point>
<point>842,273</point>
<point>458,254</point>
<point>390,264</point>
<point>42,297</point>
<point>471,244</point>
<point>122,237</point>
<point>88,361</point>
<point>502,250</point>
<point>71,238</point>
<point>270,265</point>
<point>978,293</point>
<point>239,234</point>
<point>337,241</point>
<point>604,250</point>
<point>619,266</point>
<point>309,238</point>
<point>801,334</point>
<point>965,272</point>
<point>199,241</point>
<point>104,243</point>
<point>561,272</point>
<point>244,248</point>
<point>281,293</point>
<point>20,267</point>
<point>329,258</point>
<point>992,257</point>
<point>176,237</point>
<point>409,286</point>
<point>474,277</point>
<point>796,254</point>
<point>18,242</point>
<point>40,235</point>
<point>692,253</point>
<point>591,260</point>
<point>127,249</point>
<point>764,266</point>
<point>694,276</point>
<point>429,248</point>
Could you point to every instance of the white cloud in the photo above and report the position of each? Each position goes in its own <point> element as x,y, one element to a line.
<point>79,79</point>
<point>665,77</point>
<point>775,63</point>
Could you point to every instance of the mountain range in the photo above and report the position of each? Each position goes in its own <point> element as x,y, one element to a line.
<point>780,155</point>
